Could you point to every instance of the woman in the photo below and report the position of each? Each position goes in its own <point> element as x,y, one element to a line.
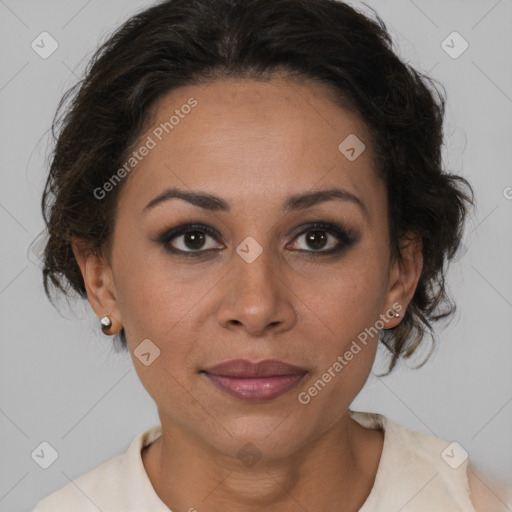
<point>251,197</point>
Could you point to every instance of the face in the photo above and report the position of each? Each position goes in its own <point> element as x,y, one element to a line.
<point>256,273</point>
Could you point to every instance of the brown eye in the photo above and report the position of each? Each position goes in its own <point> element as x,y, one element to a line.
<point>320,238</point>
<point>324,238</point>
<point>189,240</point>
<point>194,239</point>
<point>316,239</point>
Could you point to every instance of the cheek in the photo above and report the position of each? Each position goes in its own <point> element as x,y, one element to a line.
<point>349,306</point>
<point>154,294</point>
<point>166,303</point>
<point>357,300</point>
<point>158,305</point>
<point>350,297</point>
<point>347,302</point>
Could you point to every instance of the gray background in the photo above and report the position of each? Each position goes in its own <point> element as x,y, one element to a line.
<point>60,380</point>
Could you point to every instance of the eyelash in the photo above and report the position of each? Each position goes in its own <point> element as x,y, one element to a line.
<point>346,238</point>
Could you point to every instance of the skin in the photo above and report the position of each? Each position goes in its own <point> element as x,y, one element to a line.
<point>254,144</point>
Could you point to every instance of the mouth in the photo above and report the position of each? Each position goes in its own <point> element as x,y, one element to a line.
<point>255,382</point>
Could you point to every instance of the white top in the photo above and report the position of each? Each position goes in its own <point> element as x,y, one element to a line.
<point>412,476</point>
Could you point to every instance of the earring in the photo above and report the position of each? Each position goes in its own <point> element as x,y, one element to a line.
<point>106,324</point>
<point>394,313</point>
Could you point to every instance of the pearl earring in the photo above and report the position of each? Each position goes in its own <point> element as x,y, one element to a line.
<point>106,324</point>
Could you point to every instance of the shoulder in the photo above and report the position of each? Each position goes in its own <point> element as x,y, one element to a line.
<point>118,484</point>
<point>484,493</point>
<point>417,471</point>
<point>83,493</point>
<point>488,495</point>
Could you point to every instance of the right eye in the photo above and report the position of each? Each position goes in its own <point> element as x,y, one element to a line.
<point>193,239</point>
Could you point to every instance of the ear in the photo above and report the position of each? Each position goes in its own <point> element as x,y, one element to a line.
<point>404,274</point>
<point>99,284</point>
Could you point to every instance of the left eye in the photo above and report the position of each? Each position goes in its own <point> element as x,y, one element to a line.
<point>317,239</point>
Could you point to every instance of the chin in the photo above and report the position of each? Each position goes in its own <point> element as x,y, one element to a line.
<point>259,436</point>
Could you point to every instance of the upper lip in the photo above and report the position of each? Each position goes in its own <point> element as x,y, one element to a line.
<point>242,368</point>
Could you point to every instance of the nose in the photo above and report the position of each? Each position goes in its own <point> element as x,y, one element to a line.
<point>256,297</point>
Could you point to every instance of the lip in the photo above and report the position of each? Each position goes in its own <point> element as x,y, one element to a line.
<point>250,381</point>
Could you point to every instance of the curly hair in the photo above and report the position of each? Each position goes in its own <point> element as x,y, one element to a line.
<point>185,42</point>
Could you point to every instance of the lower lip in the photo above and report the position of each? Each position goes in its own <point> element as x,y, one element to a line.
<point>255,389</point>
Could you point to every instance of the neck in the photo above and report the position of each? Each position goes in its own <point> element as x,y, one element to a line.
<point>333,473</point>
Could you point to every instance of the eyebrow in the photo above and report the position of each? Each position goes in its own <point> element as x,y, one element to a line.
<point>293,203</point>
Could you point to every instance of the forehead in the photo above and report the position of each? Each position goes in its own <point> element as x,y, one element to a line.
<point>252,140</point>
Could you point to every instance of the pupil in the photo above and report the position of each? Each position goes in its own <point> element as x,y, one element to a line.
<point>316,239</point>
<point>194,239</point>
